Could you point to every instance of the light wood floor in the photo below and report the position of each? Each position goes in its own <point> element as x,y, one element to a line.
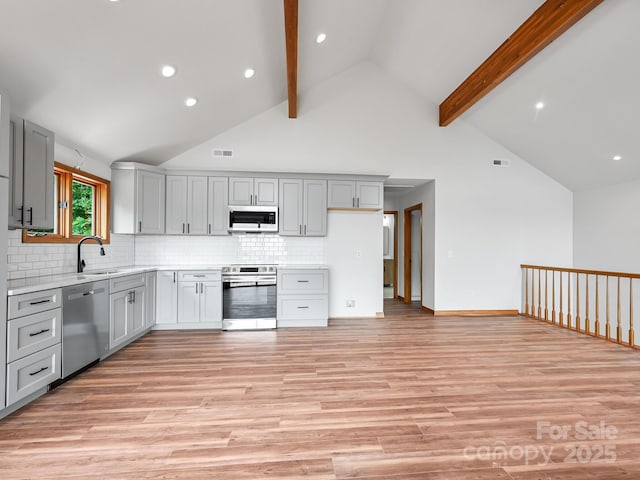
<point>401,398</point>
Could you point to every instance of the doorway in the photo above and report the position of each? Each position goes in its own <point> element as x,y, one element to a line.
<point>390,253</point>
<point>413,254</point>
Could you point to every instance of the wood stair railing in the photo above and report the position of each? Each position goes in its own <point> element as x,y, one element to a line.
<point>572,289</point>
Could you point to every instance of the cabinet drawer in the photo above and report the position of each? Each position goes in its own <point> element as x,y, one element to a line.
<point>200,276</point>
<point>28,303</point>
<point>33,372</point>
<point>303,281</point>
<point>30,334</point>
<point>126,283</point>
<point>294,307</point>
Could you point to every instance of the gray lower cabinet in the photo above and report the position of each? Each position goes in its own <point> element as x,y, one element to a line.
<point>303,207</point>
<point>31,180</point>
<point>126,309</point>
<point>303,297</point>
<point>150,299</point>
<point>200,299</point>
<point>34,333</point>
<point>167,298</point>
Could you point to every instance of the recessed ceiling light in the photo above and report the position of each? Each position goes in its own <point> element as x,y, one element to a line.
<point>191,101</point>
<point>321,37</point>
<point>249,72</point>
<point>539,105</point>
<point>617,157</point>
<point>168,71</point>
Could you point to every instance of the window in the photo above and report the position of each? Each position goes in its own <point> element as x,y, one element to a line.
<point>81,203</point>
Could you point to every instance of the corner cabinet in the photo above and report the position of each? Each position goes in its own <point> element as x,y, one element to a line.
<point>137,200</point>
<point>253,191</point>
<point>31,183</point>
<point>167,298</point>
<point>349,194</point>
<point>303,207</point>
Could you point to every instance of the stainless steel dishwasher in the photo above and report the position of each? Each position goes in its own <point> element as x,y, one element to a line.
<point>85,325</point>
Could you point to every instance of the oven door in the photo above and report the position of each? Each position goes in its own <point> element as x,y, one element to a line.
<point>248,302</point>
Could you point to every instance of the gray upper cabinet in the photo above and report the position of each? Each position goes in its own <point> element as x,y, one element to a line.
<point>303,207</point>
<point>31,185</point>
<point>176,210</point>
<point>356,194</point>
<point>137,200</point>
<point>150,202</point>
<point>253,191</point>
<point>217,210</point>
<point>197,218</point>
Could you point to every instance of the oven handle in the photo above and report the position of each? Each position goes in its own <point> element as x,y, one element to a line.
<point>249,278</point>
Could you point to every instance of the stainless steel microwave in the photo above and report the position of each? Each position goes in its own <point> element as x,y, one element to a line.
<point>253,219</point>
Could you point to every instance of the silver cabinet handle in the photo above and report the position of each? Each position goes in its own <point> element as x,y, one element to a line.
<point>358,205</point>
<point>353,202</point>
<point>199,275</point>
<point>21,215</point>
<point>140,226</point>
<point>303,307</point>
<point>300,229</point>
<point>183,228</point>
<point>305,229</point>
<point>197,289</point>
<point>174,277</point>
<point>303,281</point>
<point>30,216</point>
<point>188,227</point>
<point>209,229</point>
<point>134,296</point>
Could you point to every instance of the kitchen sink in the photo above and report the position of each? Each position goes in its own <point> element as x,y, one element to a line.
<point>105,272</point>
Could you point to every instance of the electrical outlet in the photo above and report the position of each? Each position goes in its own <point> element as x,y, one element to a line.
<point>351,303</point>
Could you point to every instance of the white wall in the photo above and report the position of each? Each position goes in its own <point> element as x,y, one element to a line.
<point>607,228</point>
<point>488,220</point>
<point>354,256</point>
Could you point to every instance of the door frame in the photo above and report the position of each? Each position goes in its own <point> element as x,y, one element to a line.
<point>407,251</point>
<point>395,214</point>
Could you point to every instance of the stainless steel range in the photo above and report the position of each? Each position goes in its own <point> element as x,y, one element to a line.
<point>248,297</point>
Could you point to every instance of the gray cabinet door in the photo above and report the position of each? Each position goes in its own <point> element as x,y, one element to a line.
<point>16,171</point>
<point>118,318</point>
<point>240,191</point>
<point>167,298</point>
<point>315,208</point>
<point>188,302</point>
<point>291,198</point>
<point>150,202</point>
<point>370,195</point>
<point>265,191</point>
<point>197,219</point>
<point>211,303</point>
<point>176,210</point>
<point>137,311</point>
<point>218,200</point>
<point>342,194</point>
<point>150,299</point>
<point>38,176</point>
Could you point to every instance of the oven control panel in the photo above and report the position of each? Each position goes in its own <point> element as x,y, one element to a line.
<point>253,269</point>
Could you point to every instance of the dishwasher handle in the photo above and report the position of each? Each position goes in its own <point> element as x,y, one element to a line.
<point>87,293</point>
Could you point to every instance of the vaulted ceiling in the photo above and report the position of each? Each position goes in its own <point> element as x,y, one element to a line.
<point>90,70</point>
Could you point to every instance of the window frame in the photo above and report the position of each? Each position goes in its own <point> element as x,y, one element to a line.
<point>102,206</point>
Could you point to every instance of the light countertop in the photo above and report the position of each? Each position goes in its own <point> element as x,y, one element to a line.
<point>45,282</point>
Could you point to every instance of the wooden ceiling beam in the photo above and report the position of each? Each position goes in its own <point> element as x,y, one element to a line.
<point>552,19</point>
<point>291,40</point>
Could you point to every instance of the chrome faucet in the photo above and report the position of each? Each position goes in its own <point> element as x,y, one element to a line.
<point>81,263</point>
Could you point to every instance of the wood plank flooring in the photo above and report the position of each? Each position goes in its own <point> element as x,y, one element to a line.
<point>406,397</point>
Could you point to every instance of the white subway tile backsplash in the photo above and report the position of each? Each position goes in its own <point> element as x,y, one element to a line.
<point>247,248</point>
<point>33,259</point>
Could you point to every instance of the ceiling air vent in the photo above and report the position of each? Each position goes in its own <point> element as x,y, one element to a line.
<point>219,153</point>
<point>501,163</point>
